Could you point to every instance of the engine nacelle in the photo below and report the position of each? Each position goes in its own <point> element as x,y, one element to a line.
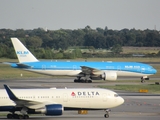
<point>54,109</point>
<point>112,76</point>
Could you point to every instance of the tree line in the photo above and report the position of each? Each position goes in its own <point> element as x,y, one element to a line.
<point>52,43</point>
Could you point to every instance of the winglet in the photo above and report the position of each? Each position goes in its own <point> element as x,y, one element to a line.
<point>23,54</point>
<point>10,93</point>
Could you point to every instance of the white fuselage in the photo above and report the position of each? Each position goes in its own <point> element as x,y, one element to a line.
<point>69,98</point>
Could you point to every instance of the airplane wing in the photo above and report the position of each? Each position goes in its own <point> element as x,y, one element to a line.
<point>89,70</point>
<point>22,102</point>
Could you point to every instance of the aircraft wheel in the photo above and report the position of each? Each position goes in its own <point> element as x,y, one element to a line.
<point>9,116</point>
<point>25,117</point>
<point>89,81</point>
<point>86,81</point>
<point>15,116</point>
<point>82,80</point>
<point>20,116</point>
<point>75,80</point>
<point>106,115</point>
<point>142,81</point>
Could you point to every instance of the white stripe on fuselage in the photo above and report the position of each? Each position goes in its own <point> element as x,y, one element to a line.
<point>74,73</point>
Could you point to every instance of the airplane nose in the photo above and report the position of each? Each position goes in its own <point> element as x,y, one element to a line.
<point>120,100</point>
<point>154,71</point>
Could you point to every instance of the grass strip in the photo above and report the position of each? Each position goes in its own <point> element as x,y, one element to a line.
<point>152,88</point>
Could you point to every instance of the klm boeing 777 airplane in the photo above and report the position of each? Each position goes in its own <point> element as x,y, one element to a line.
<point>84,71</point>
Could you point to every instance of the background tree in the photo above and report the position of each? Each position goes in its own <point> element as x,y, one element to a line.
<point>34,42</point>
<point>77,53</point>
<point>117,49</point>
<point>40,41</point>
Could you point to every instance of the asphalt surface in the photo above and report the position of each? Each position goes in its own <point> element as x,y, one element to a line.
<point>66,82</point>
<point>137,106</point>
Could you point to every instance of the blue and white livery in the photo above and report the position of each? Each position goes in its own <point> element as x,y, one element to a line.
<point>87,70</point>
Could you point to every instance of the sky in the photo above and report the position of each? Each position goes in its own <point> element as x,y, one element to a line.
<point>77,14</point>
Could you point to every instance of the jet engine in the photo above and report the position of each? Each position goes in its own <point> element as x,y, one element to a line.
<point>112,76</point>
<point>53,110</point>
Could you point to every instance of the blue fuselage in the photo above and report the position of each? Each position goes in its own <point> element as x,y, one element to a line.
<point>109,66</point>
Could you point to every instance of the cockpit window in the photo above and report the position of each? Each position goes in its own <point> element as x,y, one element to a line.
<point>116,95</point>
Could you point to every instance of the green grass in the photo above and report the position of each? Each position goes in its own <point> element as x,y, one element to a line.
<point>130,59</point>
<point>152,88</point>
<point>141,50</point>
<point>125,59</point>
<point>6,72</point>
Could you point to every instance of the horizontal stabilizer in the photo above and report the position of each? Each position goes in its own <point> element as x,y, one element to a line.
<point>23,65</point>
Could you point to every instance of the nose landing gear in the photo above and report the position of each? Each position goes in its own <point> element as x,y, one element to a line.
<point>143,79</point>
<point>106,115</point>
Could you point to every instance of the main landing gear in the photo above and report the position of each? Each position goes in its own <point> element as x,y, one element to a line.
<point>16,116</point>
<point>106,115</point>
<point>79,80</point>
<point>82,81</point>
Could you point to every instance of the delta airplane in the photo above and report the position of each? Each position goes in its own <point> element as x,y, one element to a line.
<point>54,101</point>
<point>87,70</point>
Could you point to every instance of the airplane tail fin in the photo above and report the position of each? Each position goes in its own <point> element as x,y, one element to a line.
<point>23,54</point>
<point>10,93</point>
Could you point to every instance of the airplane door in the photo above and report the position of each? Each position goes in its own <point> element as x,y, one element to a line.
<point>43,67</point>
<point>74,67</point>
<point>142,69</point>
<point>119,68</point>
<point>65,97</point>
